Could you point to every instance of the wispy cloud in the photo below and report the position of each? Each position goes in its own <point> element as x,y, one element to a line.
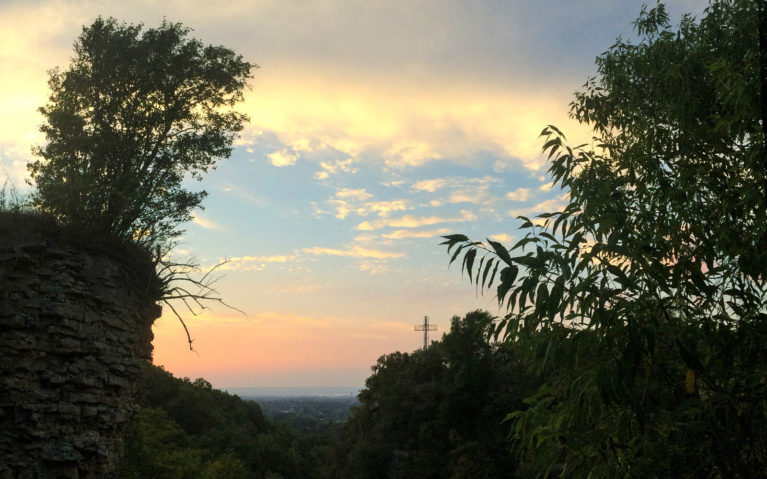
<point>282,158</point>
<point>520,194</point>
<point>410,153</point>
<point>502,237</point>
<point>429,185</point>
<point>348,201</point>
<point>205,223</point>
<point>411,221</point>
<point>255,263</point>
<point>373,267</point>
<point>547,206</point>
<point>354,251</point>
<point>296,288</point>
<point>401,234</point>
<point>356,194</point>
<point>385,208</point>
<point>333,167</point>
<point>475,190</point>
<point>345,208</point>
<point>477,195</point>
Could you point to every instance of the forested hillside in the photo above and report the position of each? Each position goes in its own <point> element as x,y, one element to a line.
<point>187,429</point>
<point>432,413</point>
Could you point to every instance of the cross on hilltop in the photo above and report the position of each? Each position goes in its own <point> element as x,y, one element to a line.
<point>425,327</point>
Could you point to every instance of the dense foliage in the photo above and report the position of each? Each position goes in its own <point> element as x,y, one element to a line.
<point>133,115</point>
<point>642,304</point>
<point>187,429</point>
<point>435,413</point>
<point>438,412</point>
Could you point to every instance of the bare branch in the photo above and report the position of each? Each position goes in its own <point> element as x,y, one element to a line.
<point>175,278</point>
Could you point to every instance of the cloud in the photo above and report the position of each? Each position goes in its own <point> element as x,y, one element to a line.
<point>411,153</point>
<point>292,288</point>
<point>205,223</point>
<point>348,201</point>
<point>282,158</point>
<point>384,208</point>
<point>474,190</point>
<point>429,185</point>
<point>353,252</point>
<point>405,123</point>
<point>502,237</point>
<point>357,194</point>
<point>411,221</point>
<point>345,208</point>
<point>373,267</point>
<point>520,194</point>
<point>436,108</point>
<point>401,234</point>
<point>546,187</point>
<point>333,167</point>
<point>255,263</point>
<point>477,194</point>
<point>547,206</point>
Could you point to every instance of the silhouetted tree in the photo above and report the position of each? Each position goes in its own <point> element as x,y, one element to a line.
<point>134,114</point>
<point>642,304</point>
<point>438,412</point>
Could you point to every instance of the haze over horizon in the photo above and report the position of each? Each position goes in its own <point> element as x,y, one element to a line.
<point>375,128</point>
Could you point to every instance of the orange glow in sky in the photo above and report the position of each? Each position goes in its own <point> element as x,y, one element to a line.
<point>376,127</point>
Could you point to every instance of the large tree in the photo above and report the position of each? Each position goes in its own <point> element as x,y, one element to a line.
<point>438,412</point>
<point>643,302</point>
<point>135,113</point>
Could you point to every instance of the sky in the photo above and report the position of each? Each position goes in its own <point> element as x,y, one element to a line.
<point>375,127</point>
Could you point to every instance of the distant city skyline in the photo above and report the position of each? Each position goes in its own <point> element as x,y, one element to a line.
<point>376,127</point>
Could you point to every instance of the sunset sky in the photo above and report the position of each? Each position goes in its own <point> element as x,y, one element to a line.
<point>376,126</point>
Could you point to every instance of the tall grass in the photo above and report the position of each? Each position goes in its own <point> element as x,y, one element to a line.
<point>12,201</point>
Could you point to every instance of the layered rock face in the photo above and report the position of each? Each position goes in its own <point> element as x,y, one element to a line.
<point>75,326</point>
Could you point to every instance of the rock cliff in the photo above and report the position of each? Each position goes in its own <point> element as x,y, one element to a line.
<point>75,325</point>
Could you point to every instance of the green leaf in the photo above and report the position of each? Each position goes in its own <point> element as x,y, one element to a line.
<point>487,268</point>
<point>508,275</point>
<point>557,291</point>
<point>455,255</point>
<point>492,276</point>
<point>542,298</point>
<point>468,261</point>
<point>479,271</point>
<point>501,251</point>
<point>454,238</point>
<point>618,272</point>
<point>529,260</point>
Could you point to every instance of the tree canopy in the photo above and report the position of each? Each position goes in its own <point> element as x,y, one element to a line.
<point>134,114</point>
<point>643,302</point>
<point>438,412</point>
<point>188,429</point>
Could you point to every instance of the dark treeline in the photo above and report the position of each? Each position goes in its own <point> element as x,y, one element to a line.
<point>187,429</point>
<point>433,413</point>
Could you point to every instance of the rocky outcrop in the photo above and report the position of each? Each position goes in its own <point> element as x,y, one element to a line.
<point>75,326</point>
